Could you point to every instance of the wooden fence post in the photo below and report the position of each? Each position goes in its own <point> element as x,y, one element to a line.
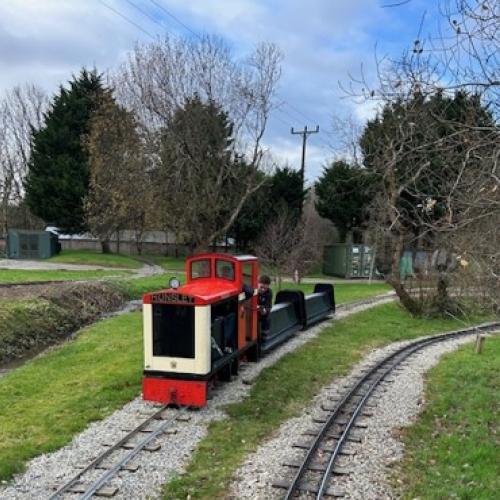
<point>479,343</point>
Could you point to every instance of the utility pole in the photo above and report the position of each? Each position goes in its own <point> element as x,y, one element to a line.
<point>305,133</point>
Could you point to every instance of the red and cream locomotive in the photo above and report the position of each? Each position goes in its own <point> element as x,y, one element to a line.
<point>201,331</point>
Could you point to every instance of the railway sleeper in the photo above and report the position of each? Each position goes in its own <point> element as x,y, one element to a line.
<point>127,467</point>
<point>318,467</point>
<point>352,436</point>
<point>345,450</point>
<point>148,447</point>
<point>306,487</point>
<point>104,491</point>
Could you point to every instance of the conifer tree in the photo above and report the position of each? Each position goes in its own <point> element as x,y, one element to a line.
<point>58,176</point>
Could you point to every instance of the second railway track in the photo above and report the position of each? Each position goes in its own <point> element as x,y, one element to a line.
<point>313,475</point>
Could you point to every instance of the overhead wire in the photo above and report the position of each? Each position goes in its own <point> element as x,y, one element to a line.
<point>293,108</point>
<point>118,13</point>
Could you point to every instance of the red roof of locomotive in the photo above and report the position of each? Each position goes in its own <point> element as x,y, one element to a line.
<point>201,291</point>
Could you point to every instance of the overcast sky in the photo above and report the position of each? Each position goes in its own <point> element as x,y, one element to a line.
<point>45,41</point>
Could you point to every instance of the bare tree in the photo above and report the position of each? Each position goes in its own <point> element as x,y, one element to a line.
<point>21,111</point>
<point>420,205</point>
<point>160,78</point>
<point>294,248</point>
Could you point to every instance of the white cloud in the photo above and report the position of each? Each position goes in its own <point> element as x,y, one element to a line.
<point>45,41</point>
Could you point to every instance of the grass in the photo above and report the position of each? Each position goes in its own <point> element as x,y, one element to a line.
<point>51,398</point>
<point>168,263</point>
<point>452,449</point>
<point>344,292</point>
<point>13,276</point>
<point>290,385</point>
<point>135,288</point>
<point>27,325</point>
<point>89,257</point>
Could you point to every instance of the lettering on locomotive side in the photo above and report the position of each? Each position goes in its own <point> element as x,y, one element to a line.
<point>170,298</point>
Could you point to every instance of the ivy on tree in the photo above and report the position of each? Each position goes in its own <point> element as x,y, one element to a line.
<point>58,176</point>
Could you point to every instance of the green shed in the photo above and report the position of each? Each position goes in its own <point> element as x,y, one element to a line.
<point>347,261</point>
<point>24,244</point>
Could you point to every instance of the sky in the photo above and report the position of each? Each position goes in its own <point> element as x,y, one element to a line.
<point>323,42</point>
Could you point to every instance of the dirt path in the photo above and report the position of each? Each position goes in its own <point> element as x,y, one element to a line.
<point>32,265</point>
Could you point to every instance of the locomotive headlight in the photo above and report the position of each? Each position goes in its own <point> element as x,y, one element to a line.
<point>174,283</point>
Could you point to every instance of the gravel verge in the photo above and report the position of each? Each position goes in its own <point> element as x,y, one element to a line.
<point>46,472</point>
<point>396,405</point>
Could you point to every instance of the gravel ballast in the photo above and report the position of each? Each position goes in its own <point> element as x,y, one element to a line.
<point>396,405</point>
<point>47,472</point>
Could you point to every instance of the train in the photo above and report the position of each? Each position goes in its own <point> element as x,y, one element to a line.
<point>198,333</point>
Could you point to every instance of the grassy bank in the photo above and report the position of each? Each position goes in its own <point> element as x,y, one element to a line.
<point>14,276</point>
<point>452,449</point>
<point>34,323</point>
<point>290,385</point>
<point>51,398</point>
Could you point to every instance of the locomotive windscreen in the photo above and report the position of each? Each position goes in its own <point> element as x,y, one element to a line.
<point>173,331</point>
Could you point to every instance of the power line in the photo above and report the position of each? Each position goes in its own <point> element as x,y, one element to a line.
<point>297,110</point>
<point>145,13</point>
<point>325,144</point>
<point>175,18</point>
<point>118,13</point>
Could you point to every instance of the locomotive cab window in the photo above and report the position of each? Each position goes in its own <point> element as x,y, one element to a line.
<point>247,274</point>
<point>200,269</point>
<point>173,331</point>
<point>224,269</point>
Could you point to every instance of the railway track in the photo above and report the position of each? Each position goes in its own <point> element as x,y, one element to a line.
<point>147,432</point>
<point>313,475</point>
<point>88,482</point>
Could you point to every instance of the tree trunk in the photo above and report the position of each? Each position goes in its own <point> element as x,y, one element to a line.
<point>105,246</point>
<point>410,304</point>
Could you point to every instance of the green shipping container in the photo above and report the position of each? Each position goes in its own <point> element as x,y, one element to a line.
<point>347,261</point>
<point>23,244</point>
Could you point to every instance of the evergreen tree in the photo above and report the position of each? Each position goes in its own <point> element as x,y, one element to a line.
<point>427,131</point>
<point>281,191</point>
<point>198,184</point>
<point>287,189</point>
<point>58,176</point>
<point>343,194</point>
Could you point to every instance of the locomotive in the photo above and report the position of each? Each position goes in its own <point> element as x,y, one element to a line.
<point>200,332</point>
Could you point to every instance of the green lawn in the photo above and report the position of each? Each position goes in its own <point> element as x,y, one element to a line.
<point>93,258</point>
<point>51,398</point>
<point>344,292</point>
<point>290,385</point>
<point>168,263</point>
<point>452,451</point>
<point>135,288</point>
<point>12,276</point>
<point>48,400</point>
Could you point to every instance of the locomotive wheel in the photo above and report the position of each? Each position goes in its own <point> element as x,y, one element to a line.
<point>254,353</point>
<point>235,365</point>
<point>225,373</point>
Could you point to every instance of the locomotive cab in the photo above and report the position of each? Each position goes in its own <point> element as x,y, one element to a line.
<point>199,331</point>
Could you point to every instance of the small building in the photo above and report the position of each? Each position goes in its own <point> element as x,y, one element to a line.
<point>348,261</point>
<point>25,244</point>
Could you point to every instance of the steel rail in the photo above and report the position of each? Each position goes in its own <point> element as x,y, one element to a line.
<point>129,456</point>
<point>66,486</point>
<point>404,353</point>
